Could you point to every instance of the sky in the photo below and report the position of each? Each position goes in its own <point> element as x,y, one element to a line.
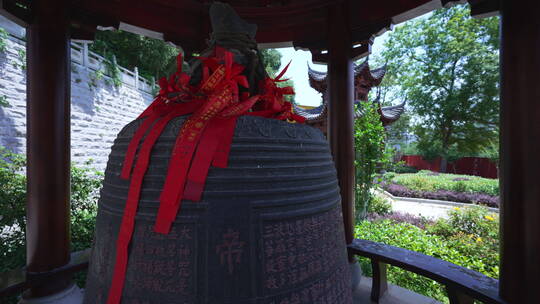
<point>305,95</point>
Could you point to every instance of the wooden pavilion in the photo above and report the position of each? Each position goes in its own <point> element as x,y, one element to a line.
<point>364,80</point>
<point>343,28</point>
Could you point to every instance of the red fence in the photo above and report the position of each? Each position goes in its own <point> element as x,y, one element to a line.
<point>478,166</point>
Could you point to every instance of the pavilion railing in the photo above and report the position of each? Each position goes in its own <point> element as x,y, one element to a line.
<point>82,56</point>
<point>86,58</point>
<point>16,281</point>
<point>463,285</point>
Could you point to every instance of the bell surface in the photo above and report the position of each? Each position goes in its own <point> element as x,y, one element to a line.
<point>268,228</point>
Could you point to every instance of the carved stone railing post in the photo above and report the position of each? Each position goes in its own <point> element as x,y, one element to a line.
<point>85,55</point>
<point>136,78</point>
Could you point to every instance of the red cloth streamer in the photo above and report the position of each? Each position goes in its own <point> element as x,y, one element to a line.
<point>134,144</point>
<point>221,157</point>
<point>128,219</point>
<point>179,164</point>
<point>156,111</point>
<point>201,163</point>
<point>171,195</point>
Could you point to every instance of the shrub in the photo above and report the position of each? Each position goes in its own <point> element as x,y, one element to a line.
<point>412,238</point>
<point>474,221</point>
<point>3,38</point>
<point>469,238</point>
<point>398,217</point>
<point>85,184</point>
<point>12,200</point>
<point>379,205</point>
<point>403,169</point>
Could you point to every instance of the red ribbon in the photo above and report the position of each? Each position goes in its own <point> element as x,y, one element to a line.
<point>198,171</point>
<point>130,210</point>
<point>156,111</point>
<point>179,164</point>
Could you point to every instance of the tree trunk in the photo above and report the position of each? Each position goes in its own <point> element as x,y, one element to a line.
<point>444,164</point>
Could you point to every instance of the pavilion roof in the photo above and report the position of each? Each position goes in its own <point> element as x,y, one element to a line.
<point>299,23</point>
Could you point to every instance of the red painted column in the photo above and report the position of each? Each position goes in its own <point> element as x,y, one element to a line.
<point>340,110</point>
<point>48,142</point>
<point>520,148</point>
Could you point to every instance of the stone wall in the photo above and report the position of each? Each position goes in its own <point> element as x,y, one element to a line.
<point>98,109</point>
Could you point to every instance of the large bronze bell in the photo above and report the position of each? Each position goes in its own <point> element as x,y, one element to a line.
<point>268,229</point>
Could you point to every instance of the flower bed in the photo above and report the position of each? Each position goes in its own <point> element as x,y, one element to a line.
<point>447,187</point>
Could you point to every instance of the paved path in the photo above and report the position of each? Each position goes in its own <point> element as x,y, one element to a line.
<point>433,209</point>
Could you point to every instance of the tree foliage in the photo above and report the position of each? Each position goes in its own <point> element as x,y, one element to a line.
<point>3,39</point>
<point>85,184</point>
<point>446,66</point>
<point>371,155</point>
<point>398,132</point>
<point>271,60</point>
<point>272,63</point>
<point>153,58</point>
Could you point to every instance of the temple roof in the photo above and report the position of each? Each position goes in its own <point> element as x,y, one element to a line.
<point>389,114</point>
<point>365,78</point>
<point>317,79</point>
<point>375,76</point>
<point>312,115</point>
<point>392,113</point>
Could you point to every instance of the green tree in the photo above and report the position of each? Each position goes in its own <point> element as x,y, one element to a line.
<point>388,94</point>
<point>271,60</point>
<point>397,133</point>
<point>3,38</point>
<point>446,66</point>
<point>272,63</point>
<point>371,155</point>
<point>153,58</point>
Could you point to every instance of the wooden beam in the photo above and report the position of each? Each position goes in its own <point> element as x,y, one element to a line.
<point>520,147</point>
<point>357,52</point>
<point>48,144</point>
<point>484,8</point>
<point>340,111</point>
<point>317,56</point>
<point>16,13</point>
